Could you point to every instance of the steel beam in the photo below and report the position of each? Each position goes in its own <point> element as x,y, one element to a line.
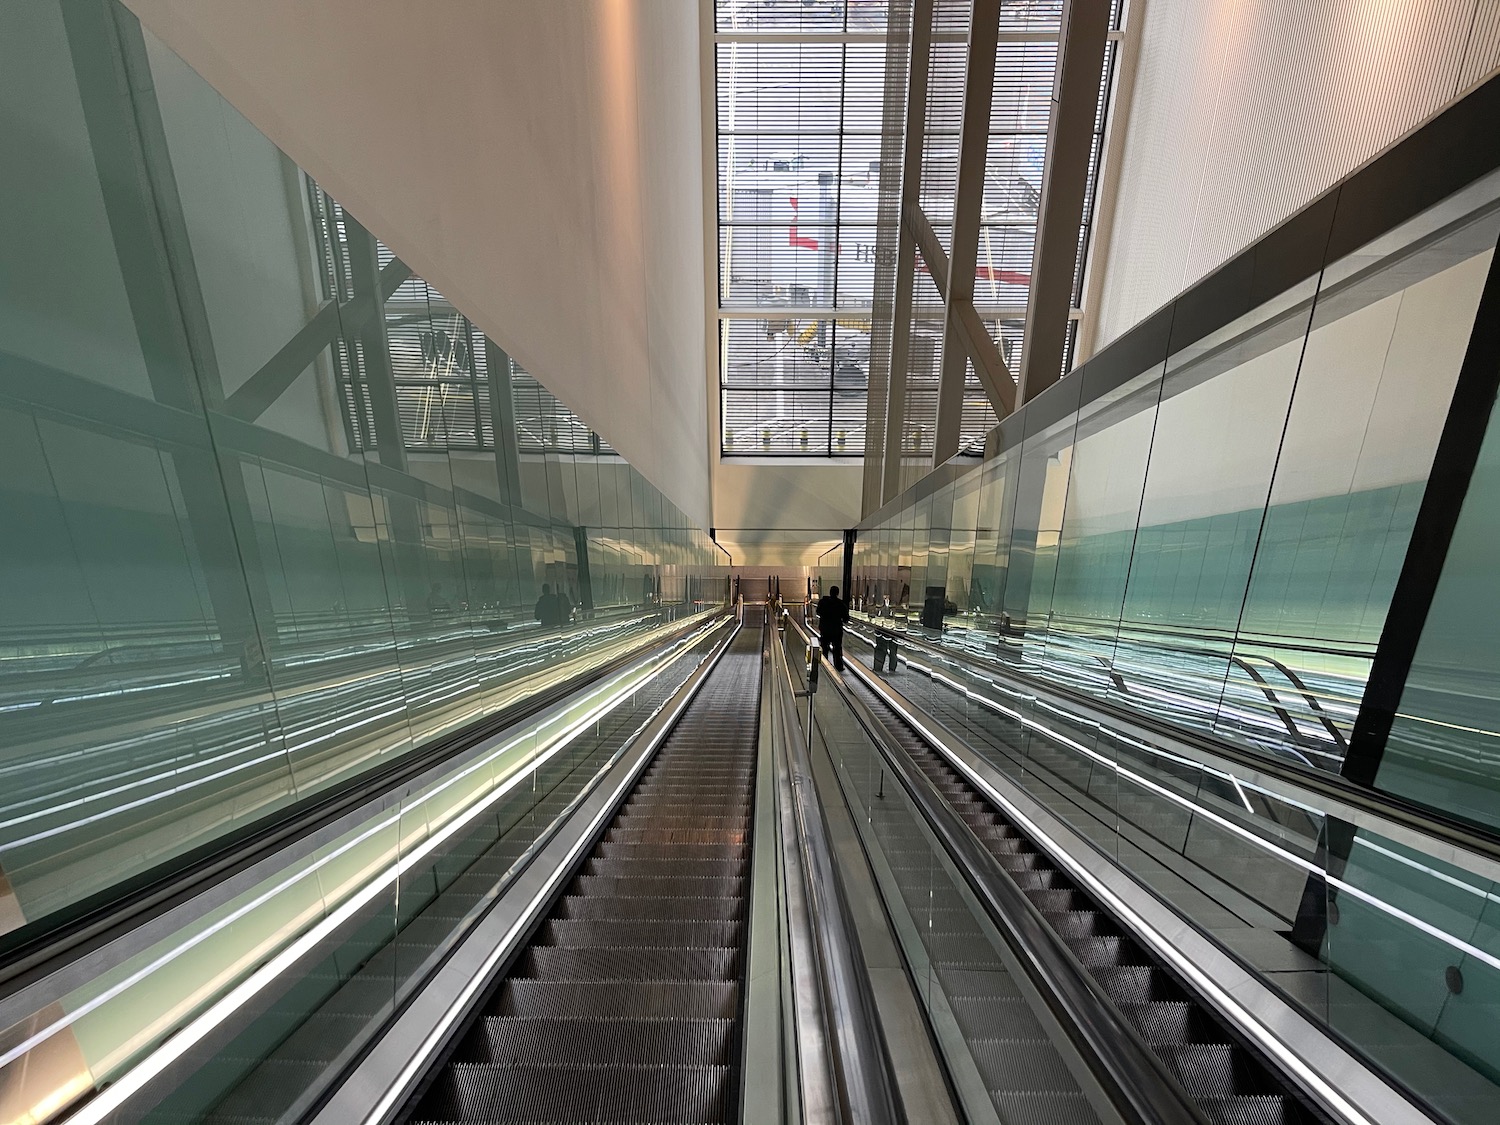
<point>888,223</point>
<point>1075,100</point>
<point>851,534</point>
<point>503,423</point>
<point>380,378</point>
<point>906,251</point>
<point>989,364</point>
<point>331,321</point>
<point>934,257</point>
<point>973,151</point>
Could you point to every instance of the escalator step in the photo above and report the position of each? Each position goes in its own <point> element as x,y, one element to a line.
<point>1163,1023</point>
<point>960,951</point>
<point>1058,900</point>
<point>673,852</point>
<point>723,821</point>
<point>482,1092</point>
<point>676,835</point>
<point>635,868</point>
<point>1032,1065</point>
<point>617,1000</point>
<point>644,935</point>
<point>992,1017</point>
<point>1204,1069</point>
<point>990,983</point>
<point>1071,924</point>
<point>1003,841</point>
<point>1017,862</point>
<point>1097,952</point>
<point>651,811</point>
<point>1134,984</point>
<point>1259,1109</point>
<point>1043,879</point>
<point>658,886</point>
<point>602,963</point>
<point>1008,845</point>
<point>1043,1108</point>
<point>589,1042</point>
<point>652,908</point>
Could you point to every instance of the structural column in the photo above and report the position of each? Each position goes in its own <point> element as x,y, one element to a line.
<point>888,223</point>
<point>390,445</point>
<point>380,377</point>
<point>151,244</point>
<point>906,252</point>
<point>1075,102</point>
<point>973,152</point>
<point>503,423</point>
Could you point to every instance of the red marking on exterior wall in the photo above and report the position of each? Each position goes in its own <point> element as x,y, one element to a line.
<point>1004,277</point>
<point>985,273</point>
<point>792,238</point>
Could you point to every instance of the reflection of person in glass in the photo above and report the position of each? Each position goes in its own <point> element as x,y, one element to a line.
<point>252,661</point>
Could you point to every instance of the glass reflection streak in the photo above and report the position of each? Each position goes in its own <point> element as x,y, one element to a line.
<point>275,512</point>
<point>1216,540</point>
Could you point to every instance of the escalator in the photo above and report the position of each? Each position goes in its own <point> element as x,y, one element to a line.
<point>1228,1083</point>
<point>624,1006</point>
<point>291,1051</point>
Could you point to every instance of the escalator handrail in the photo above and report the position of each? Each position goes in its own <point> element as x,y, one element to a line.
<point>121,912</point>
<point>862,1068</point>
<point>1136,1082</point>
<point>1325,786</point>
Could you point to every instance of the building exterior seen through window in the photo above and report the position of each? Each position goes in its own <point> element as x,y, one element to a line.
<point>801,106</point>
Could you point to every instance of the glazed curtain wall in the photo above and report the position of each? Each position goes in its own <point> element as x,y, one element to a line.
<point>1214,536</point>
<point>214,603</point>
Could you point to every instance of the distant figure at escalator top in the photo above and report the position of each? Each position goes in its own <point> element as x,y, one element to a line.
<point>832,616</point>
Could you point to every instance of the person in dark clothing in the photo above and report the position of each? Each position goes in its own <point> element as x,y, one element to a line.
<point>832,616</point>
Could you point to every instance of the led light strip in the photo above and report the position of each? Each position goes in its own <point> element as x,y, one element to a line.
<point>99,1108</point>
<point>1222,999</point>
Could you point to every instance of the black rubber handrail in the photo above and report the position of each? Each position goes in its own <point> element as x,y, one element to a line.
<point>1133,1078</point>
<point>1406,814</point>
<point>120,909</point>
<point>863,1071</point>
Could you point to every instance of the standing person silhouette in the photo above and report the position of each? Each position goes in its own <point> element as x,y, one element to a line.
<point>832,616</point>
